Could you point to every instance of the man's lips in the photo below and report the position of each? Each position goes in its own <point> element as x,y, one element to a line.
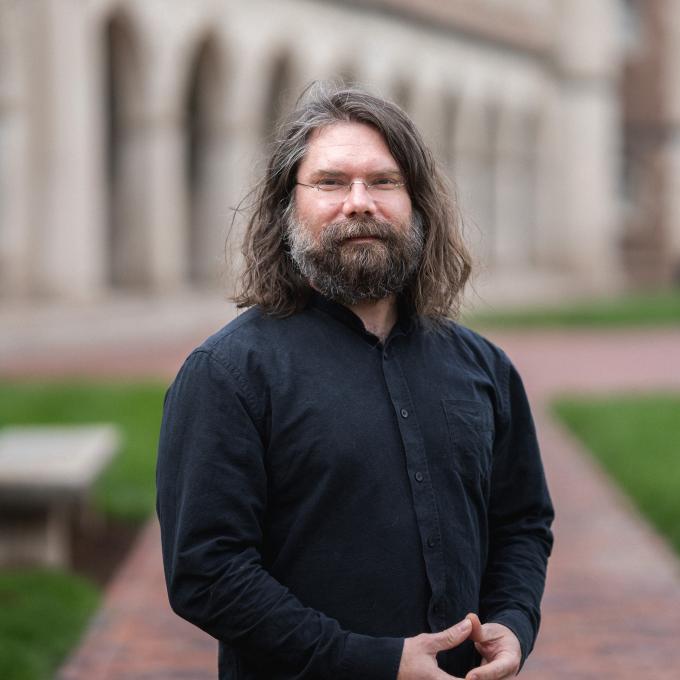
<point>358,239</point>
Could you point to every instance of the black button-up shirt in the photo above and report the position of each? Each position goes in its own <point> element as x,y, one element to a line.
<point>323,495</point>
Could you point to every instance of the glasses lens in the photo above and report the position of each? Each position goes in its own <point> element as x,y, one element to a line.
<point>336,192</point>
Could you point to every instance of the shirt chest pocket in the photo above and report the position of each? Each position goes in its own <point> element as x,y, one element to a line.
<point>470,428</point>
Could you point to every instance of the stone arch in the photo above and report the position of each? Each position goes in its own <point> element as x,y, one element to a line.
<point>123,91</point>
<point>280,94</point>
<point>517,238</point>
<point>475,151</point>
<point>401,92</point>
<point>207,142</point>
<point>450,104</point>
<point>428,113</point>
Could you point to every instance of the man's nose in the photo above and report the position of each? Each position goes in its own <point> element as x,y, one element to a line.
<point>358,200</point>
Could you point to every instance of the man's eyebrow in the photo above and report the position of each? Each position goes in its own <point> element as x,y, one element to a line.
<point>375,173</point>
<point>329,173</point>
<point>387,171</point>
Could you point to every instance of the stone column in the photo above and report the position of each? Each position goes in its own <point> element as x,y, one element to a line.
<point>548,238</point>
<point>672,89</point>
<point>673,206</point>
<point>201,95</point>
<point>516,190</point>
<point>163,206</point>
<point>428,112</point>
<point>14,184</point>
<point>211,215</point>
<point>64,92</point>
<point>588,57</point>
<point>475,174</point>
<point>242,163</point>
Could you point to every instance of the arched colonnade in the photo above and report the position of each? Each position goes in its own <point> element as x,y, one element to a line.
<point>178,121</point>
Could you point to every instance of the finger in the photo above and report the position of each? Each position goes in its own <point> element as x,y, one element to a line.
<point>441,675</point>
<point>451,637</point>
<point>477,633</point>
<point>495,670</point>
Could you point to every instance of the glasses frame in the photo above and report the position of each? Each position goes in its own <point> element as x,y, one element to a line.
<point>344,190</point>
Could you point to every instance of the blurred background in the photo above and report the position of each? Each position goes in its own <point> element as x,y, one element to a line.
<point>130,130</point>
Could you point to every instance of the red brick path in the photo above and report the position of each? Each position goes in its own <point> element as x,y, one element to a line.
<point>135,634</point>
<point>612,605</point>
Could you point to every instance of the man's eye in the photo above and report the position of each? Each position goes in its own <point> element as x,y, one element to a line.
<point>385,183</point>
<point>330,184</point>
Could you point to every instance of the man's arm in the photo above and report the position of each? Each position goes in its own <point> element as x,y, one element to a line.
<point>520,515</point>
<point>212,494</point>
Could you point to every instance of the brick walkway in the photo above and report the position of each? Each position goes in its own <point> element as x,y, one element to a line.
<point>612,605</point>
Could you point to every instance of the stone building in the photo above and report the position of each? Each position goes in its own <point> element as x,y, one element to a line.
<point>651,146</point>
<point>130,128</point>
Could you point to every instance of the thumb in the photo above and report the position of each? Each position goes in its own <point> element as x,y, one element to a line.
<point>451,637</point>
<point>477,633</point>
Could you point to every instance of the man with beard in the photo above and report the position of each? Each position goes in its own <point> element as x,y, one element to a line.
<point>349,482</point>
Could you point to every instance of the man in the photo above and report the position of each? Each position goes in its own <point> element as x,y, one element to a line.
<point>347,478</point>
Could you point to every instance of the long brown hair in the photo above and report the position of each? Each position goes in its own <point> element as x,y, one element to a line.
<point>270,278</point>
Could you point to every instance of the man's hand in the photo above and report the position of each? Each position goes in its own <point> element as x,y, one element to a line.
<point>419,658</point>
<point>500,650</point>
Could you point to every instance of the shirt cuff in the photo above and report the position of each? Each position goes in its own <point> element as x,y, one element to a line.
<point>371,658</point>
<point>518,622</point>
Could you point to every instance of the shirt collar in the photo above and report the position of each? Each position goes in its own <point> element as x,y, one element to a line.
<point>406,320</point>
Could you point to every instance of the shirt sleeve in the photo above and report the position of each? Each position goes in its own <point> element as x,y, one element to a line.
<point>520,516</point>
<point>212,495</point>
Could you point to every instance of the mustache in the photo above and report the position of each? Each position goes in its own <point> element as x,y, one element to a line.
<point>357,227</point>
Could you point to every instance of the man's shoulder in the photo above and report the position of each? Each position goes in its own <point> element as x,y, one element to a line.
<point>471,343</point>
<point>252,333</point>
<point>245,327</point>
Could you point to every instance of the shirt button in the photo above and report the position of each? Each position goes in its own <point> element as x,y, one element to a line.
<point>438,608</point>
<point>431,542</point>
<point>419,476</point>
<point>404,413</point>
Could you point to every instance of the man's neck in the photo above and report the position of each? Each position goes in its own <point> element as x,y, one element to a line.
<point>378,316</point>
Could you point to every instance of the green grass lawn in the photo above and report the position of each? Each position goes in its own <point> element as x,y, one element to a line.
<point>637,440</point>
<point>644,309</point>
<point>43,613</point>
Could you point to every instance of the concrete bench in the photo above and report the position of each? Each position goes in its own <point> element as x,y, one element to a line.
<point>46,474</point>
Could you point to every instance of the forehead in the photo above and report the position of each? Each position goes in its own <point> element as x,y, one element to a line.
<point>347,147</point>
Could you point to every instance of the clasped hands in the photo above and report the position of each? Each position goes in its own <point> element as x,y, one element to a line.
<point>497,645</point>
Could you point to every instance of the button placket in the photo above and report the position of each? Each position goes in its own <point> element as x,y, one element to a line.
<point>425,506</point>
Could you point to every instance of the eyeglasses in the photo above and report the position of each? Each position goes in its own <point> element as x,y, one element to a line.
<point>337,189</point>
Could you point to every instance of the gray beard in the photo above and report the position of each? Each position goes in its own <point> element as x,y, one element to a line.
<point>351,272</point>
